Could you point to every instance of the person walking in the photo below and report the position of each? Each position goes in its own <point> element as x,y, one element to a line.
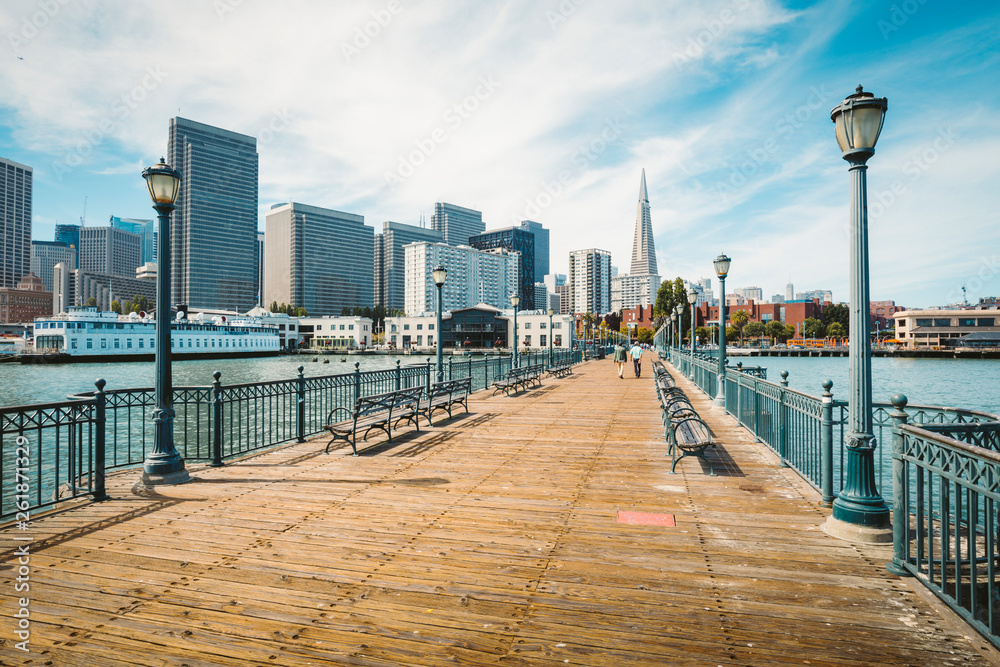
<point>637,359</point>
<point>620,357</point>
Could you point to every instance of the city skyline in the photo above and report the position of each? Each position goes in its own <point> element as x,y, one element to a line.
<point>531,117</point>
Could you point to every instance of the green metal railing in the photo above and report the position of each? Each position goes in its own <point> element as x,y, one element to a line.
<point>55,451</point>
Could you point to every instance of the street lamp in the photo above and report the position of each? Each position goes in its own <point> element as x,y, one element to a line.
<point>679,309</point>
<point>859,512</point>
<point>164,464</point>
<point>692,299</point>
<point>721,264</point>
<point>551,313</point>
<point>514,300</point>
<point>440,273</point>
<point>673,332</point>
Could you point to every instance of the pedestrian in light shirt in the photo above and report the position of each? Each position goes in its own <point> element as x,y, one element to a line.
<point>637,359</point>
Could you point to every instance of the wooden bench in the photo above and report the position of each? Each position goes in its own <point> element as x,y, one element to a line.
<point>381,411</point>
<point>691,435</point>
<point>444,395</point>
<point>511,379</point>
<point>533,374</point>
<point>559,371</point>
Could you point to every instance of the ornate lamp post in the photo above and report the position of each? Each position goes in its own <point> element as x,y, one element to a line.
<point>551,313</point>
<point>514,300</point>
<point>859,512</point>
<point>679,309</point>
<point>164,464</point>
<point>721,264</point>
<point>673,332</point>
<point>692,299</point>
<point>440,273</point>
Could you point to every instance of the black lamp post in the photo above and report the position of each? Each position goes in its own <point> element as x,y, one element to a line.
<point>514,300</point>
<point>440,273</point>
<point>164,464</point>
<point>551,313</point>
<point>721,264</point>
<point>859,512</point>
<point>692,299</point>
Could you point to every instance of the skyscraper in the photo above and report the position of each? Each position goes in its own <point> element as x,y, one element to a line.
<point>317,258</point>
<point>589,282</point>
<point>521,241</point>
<point>144,228</point>
<point>541,248</point>
<point>68,234</point>
<point>44,257</point>
<point>390,260</point>
<point>214,227</point>
<point>643,248</point>
<point>260,269</point>
<point>456,223</point>
<point>474,277</point>
<point>110,251</point>
<point>15,225</point>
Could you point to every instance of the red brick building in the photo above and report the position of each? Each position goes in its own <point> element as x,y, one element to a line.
<point>792,313</point>
<point>640,316</point>
<point>25,302</point>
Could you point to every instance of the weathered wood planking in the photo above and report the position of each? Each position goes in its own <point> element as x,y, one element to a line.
<point>489,539</point>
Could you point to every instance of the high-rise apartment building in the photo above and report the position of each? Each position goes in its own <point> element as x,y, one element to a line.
<point>521,241</point>
<point>15,223</point>
<point>590,281</point>
<point>214,227</point>
<point>110,251</point>
<point>631,291</point>
<point>44,257</point>
<point>145,229</point>
<point>643,248</point>
<point>317,258</point>
<point>474,277</point>
<point>68,234</point>
<point>541,248</point>
<point>390,260</point>
<point>260,268</point>
<point>456,223</point>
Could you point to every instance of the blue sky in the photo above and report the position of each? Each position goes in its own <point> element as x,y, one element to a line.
<point>549,111</point>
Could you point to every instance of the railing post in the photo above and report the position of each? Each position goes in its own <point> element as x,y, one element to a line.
<point>428,376</point>
<point>900,495</point>
<point>756,409</point>
<point>826,442</point>
<point>217,420</point>
<point>451,360</point>
<point>357,381</point>
<point>783,421</point>
<point>399,377</point>
<point>300,414</point>
<point>100,437</point>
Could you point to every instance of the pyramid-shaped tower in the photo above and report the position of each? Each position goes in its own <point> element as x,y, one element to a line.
<point>643,249</point>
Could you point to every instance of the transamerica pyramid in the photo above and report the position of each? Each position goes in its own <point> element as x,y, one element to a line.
<point>643,249</point>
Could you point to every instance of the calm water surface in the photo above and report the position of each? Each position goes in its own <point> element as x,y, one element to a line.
<point>957,383</point>
<point>21,385</point>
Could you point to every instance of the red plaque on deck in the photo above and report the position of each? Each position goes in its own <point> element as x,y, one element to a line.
<point>646,519</point>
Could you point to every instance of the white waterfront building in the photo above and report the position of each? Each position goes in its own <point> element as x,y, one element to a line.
<point>632,291</point>
<point>474,277</point>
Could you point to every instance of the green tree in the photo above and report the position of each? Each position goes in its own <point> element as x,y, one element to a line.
<point>775,330</point>
<point>702,334</point>
<point>754,329</point>
<point>731,334</point>
<point>740,318</point>
<point>92,302</point>
<point>116,307</point>
<point>836,330</point>
<point>274,307</point>
<point>813,328</point>
<point>301,312</point>
<point>837,313</point>
<point>645,335</point>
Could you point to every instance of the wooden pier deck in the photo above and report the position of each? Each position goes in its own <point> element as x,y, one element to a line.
<point>494,538</point>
